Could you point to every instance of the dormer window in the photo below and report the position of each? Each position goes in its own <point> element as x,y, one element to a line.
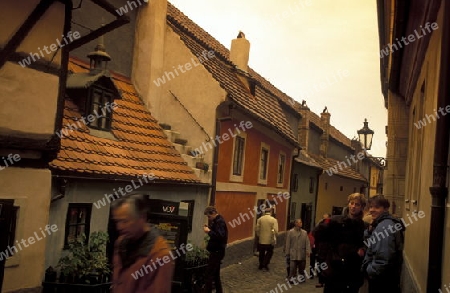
<point>99,106</point>
<point>94,93</point>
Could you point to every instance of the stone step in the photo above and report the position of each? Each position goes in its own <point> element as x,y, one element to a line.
<point>183,149</point>
<point>172,135</point>
<point>190,160</point>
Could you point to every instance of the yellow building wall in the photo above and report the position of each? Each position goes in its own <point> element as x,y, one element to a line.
<point>419,167</point>
<point>30,189</point>
<point>28,99</point>
<point>375,174</point>
<point>330,194</point>
<point>196,88</point>
<point>23,97</point>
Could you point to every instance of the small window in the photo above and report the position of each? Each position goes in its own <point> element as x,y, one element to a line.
<point>281,166</point>
<point>100,108</point>
<point>295,183</point>
<point>342,188</point>
<point>263,164</point>
<point>238,157</point>
<point>311,184</point>
<point>78,221</point>
<point>191,204</point>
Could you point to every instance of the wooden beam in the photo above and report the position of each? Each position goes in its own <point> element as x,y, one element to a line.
<point>24,29</point>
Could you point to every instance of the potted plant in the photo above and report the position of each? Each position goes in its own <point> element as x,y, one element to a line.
<point>86,263</point>
<point>195,265</point>
<point>202,165</point>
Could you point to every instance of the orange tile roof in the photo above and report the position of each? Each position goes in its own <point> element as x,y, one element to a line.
<point>348,172</point>
<point>265,105</point>
<point>141,146</point>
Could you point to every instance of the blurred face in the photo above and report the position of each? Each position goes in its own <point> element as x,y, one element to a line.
<point>376,211</point>
<point>211,217</point>
<point>298,224</point>
<point>128,225</point>
<point>354,207</point>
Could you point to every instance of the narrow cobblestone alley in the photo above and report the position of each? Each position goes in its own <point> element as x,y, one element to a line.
<point>246,278</point>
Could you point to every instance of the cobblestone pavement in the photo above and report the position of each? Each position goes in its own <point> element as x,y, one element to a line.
<point>246,278</point>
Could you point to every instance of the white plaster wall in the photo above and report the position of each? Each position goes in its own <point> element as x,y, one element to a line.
<point>30,189</point>
<point>90,191</point>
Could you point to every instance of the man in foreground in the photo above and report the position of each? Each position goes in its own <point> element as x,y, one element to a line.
<point>218,237</point>
<point>139,248</point>
<point>383,261</point>
<point>342,247</point>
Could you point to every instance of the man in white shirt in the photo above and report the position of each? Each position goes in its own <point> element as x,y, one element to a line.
<point>267,231</point>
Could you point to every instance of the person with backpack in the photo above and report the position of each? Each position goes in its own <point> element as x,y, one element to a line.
<point>384,240</point>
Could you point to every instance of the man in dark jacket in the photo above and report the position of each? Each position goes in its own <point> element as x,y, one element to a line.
<point>340,244</point>
<point>218,238</point>
<point>383,261</point>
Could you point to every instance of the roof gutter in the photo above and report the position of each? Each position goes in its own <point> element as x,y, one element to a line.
<point>441,148</point>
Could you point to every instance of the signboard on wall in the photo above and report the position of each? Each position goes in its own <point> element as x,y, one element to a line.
<point>174,229</point>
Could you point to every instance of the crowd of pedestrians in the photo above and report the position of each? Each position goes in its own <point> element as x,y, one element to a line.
<point>359,247</point>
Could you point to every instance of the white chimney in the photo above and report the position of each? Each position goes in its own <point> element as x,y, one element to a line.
<point>240,51</point>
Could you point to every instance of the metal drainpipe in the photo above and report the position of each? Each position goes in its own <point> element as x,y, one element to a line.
<point>441,147</point>
<point>212,200</point>
<point>291,188</point>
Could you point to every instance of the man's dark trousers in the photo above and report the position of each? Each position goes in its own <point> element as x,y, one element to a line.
<point>213,271</point>
<point>265,255</point>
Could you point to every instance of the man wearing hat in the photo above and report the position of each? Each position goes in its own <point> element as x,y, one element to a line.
<point>267,231</point>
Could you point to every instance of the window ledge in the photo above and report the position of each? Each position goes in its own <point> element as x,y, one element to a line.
<point>102,134</point>
<point>236,178</point>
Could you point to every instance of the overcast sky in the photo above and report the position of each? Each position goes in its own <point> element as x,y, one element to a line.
<point>323,51</point>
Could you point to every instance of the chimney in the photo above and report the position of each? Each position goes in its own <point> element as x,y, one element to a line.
<point>148,54</point>
<point>324,139</point>
<point>240,51</point>
<point>303,127</point>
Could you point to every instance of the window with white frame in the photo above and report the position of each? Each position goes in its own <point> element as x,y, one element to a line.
<point>238,158</point>
<point>281,168</point>
<point>263,163</point>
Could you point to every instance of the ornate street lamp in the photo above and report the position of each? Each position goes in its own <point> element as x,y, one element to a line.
<point>365,136</point>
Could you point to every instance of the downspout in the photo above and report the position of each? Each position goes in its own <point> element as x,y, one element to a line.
<point>441,147</point>
<point>212,199</point>
<point>316,195</point>
<point>291,188</point>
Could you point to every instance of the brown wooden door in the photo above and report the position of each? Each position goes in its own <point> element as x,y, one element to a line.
<point>306,216</point>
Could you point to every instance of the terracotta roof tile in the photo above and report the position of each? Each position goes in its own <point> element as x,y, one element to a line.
<point>306,159</point>
<point>329,163</point>
<point>265,106</point>
<point>141,146</point>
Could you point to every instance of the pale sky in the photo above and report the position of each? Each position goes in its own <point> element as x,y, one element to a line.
<point>323,51</point>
